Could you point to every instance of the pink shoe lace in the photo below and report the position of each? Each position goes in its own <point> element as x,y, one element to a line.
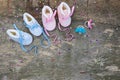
<point>54,36</point>
<point>69,36</point>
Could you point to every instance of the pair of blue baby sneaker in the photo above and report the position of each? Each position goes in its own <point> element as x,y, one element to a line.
<point>24,38</point>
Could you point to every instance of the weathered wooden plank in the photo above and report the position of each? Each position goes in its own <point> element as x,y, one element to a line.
<point>105,11</point>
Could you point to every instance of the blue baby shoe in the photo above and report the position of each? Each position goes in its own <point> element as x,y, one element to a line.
<point>80,30</point>
<point>32,24</point>
<point>35,28</point>
<point>20,36</point>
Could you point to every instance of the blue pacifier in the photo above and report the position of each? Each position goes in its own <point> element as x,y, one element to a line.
<point>80,29</point>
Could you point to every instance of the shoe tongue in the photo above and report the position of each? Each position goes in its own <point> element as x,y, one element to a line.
<point>48,13</point>
<point>48,16</point>
<point>66,13</point>
<point>34,25</point>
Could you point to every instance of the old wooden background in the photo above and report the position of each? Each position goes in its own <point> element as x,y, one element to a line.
<point>104,11</point>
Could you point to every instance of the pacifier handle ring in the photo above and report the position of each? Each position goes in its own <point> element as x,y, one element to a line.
<point>86,24</point>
